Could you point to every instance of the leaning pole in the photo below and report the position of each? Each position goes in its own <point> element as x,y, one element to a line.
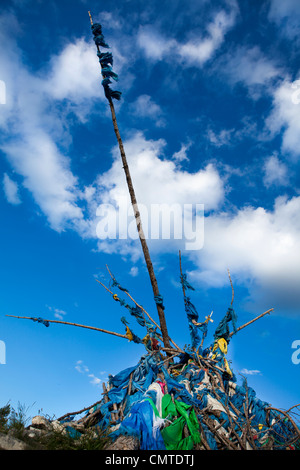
<point>106,62</point>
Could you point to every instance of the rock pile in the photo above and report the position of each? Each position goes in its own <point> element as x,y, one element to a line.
<point>37,435</point>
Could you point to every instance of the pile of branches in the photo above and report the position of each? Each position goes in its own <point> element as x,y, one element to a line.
<point>182,398</point>
<point>206,409</point>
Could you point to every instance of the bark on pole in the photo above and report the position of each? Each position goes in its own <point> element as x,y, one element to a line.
<point>153,280</point>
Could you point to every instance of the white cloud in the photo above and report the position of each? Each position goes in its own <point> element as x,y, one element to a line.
<point>109,19</point>
<point>254,243</point>
<point>94,380</point>
<point>31,146</point>
<point>258,246</point>
<point>285,117</point>
<point>196,50</point>
<point>275,172</point>
<point>250,372</point>
<point>157,182</point>
<point>9,66</point>
<point>80,367</point>
<point>229,137</point>
<point>154,45</point>
<point>144,106</point>
<point>287,16</point>
<point>285,9</point>
<point>157,179</point>
<point>37,128</point>
<point>83,369</point>
<point>2,92</point>
<point>181,155</point>
<point>223,137</point>
<point>11,190</point>
<point>33,129</point>
<point>58,313</point>
<point>47,176</point>
<point>75,73</point>
<point>250,67</point>
<point>134,271</point>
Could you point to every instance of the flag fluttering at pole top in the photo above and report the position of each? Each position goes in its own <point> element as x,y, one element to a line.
<point>106,62</point>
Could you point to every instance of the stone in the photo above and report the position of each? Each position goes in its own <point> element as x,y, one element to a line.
<point>124,443</point>
<point>12,443</point>
<point>40,422</point>
<point>34,433</point>
<point>57,426</point>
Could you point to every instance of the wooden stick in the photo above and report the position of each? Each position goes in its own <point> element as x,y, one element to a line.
<point>169,358</point>
<point>140,306</point>
<point>105,397</point>
<point>143,310</point>
<point>203,438</point>
<point>74,324</point>
<point>79,412</point>
<point>137,215</point>
<point>246,412</point>
<point>221,437</point>
<point>251,321</point>
<point>171,350</point>
<point>287,416</point>
<point>91,20</point>
<point>129,296</point>
<point>153,280</point>
<point>123,405</point>
<point>115,414</point>
<point>108,290</point>
<point>130,384</point>
<point>176,346</point>
<point>294,406</point>
<point>183,289</point>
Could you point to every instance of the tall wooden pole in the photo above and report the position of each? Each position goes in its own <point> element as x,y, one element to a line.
<point>153,280</point>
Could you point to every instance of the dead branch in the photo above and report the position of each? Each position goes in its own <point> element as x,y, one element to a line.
<point>136,303</point>
<point>251,321</point>
<point>73,324</point>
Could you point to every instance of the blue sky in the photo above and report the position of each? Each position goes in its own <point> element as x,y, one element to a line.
<point>210,114</point>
